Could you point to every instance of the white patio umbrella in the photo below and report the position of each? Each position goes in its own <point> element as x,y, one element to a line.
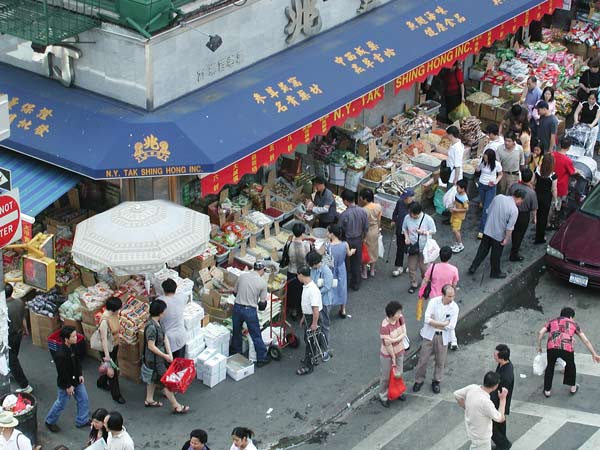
<point>140,237</point>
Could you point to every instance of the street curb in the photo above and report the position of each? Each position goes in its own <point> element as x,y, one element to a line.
<point>472,317</point>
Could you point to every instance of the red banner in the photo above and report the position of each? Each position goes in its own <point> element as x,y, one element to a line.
<point>232,174</point>
<point>460,52</point>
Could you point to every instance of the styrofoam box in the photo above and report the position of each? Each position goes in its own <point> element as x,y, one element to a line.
<point>215,370</point>
<point>201,360</point>
<point>239,367</point>
<point>194,347</point>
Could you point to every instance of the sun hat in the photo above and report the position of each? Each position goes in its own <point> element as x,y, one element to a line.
<point>7,420</point>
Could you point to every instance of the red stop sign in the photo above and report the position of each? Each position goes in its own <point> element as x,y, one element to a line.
<point>10,220</point>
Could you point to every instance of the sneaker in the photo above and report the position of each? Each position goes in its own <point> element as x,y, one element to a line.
<point>453,347</point>
<point>326,356</point>
<point>457,248</point>
<point>25,390</point>
<point>398,271</point>
<point>480,236</point>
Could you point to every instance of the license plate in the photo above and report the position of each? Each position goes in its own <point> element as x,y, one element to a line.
<point>580,280</point>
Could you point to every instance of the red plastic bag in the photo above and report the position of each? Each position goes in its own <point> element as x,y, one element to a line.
<point>178,365</point>
<point>396,386</point>
<point>365,255</point>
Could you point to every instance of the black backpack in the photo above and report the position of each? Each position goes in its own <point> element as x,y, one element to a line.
<point>445,172</point>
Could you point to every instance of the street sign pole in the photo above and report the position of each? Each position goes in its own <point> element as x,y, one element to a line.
<point>4,378</point>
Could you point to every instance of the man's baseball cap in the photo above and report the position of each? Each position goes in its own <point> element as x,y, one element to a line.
<point>542,104</point>
<point>407,193</point>
<point>259,265</point>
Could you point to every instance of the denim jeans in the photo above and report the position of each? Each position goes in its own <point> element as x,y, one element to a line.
<point>249,315</point>
<point>486,195</point>
<point>83,409</point>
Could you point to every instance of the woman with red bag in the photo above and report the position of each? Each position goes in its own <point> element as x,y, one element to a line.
<point>391,353</point>
<point>366,200</point>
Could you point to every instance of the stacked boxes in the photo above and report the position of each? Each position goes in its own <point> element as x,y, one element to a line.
<point>201,360</point>
<point>215,370</point>
<point>217,336</point>
<point>192,316</point>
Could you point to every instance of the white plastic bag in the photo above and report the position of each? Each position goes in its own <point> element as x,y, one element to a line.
<point>449,197</point>
<point>381,249</point>
<point>431,250</point>
<point>539,364</point>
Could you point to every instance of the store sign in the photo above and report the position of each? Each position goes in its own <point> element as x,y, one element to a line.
<point>10,218</point>
<point>213,183</point>
<point>448,58</point>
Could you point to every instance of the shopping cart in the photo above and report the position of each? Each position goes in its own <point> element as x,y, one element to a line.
<point>317,345</point>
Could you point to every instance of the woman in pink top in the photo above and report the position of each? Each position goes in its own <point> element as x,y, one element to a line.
<point>391,352</point>
<point>560,345</point>
<point>441,274</point>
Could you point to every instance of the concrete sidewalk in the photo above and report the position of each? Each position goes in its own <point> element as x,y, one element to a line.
<point>299,404</point>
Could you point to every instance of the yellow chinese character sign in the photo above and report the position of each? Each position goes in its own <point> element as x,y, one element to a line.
<point>286,95</point>
<point>364,57</point>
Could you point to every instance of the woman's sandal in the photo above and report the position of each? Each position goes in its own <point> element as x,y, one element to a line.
<point>153,404</point>
<point>303,371</point>
<point>575,391</point>
<point>184,410</point>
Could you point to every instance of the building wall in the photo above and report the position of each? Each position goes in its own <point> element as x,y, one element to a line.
<point>121,64</point>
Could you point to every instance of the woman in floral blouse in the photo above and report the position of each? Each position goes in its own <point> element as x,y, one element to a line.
<point>560,345</point>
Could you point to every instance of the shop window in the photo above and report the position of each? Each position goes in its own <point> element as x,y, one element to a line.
<point>152,188</point>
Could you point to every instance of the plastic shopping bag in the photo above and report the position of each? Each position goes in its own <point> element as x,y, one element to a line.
<point>365,255</point>
<point>396,386</point>
<point>458,113</point>
<point>449,197</point>
<point>539,364</point>
<point>381,249</point>
<point>431,251</point>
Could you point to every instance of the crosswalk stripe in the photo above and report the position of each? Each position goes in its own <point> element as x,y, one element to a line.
<point>593,443</point>
<point>523,355</point>
<point>396,425</point>
<point>538,434</point>
<point>454,439</point>
<point>562,414</point>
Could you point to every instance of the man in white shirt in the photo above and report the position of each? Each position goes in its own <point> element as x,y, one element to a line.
<point>10,437</point>
<point>480,411</point>
<point>455,155</point>
<point>311,304</point>
<point>495,140</point>
<point>118,437</point>
<point>440,319</point>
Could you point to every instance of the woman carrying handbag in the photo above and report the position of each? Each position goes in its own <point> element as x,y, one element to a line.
<point>106,341</point>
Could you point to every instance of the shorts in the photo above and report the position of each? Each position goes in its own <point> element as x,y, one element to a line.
<point>456,222</point>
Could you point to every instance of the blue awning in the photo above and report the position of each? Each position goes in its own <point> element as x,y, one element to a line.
<point>232,118</point>
<point>39,184</point>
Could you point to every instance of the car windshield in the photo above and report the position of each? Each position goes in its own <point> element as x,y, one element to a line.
<point>592,203</point>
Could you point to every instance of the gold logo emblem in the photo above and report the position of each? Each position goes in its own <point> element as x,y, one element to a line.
<point>151,147</point>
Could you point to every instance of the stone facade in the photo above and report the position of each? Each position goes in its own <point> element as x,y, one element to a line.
<point>123,65</point>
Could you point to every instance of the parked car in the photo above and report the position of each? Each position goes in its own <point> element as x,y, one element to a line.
<point>573,253</point>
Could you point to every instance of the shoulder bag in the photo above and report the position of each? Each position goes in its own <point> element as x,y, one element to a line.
<point>285,256</point>
<point>427,290</point>
<point>415,249</point>
<point>96,339</point>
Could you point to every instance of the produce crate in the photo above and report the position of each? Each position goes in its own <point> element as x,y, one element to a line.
<point>337,176</point>
<point>188,368</point>
<point>130,369</point>
<point>474,108</point>
<point>54,343</point>
<point>424,166</point>
<point>69,288</point>
<point>88,316</point>
<point>42,327</point>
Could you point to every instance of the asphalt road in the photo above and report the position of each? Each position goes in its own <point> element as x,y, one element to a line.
<point>300,405</point>
<point>427,421</point>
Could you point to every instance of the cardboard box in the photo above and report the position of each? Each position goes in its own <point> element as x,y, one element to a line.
<point>214,370</point>
<point>129,352</point>
<point>474,108</point>
<point>239,367</point>
<point>205,320</point>
<point>198,263</point>
<point>201,359</point>
<point>577,49</point>
<point>88,330</point>
<point>66,289</point>
<point>130,369</point>
<point>490,88</point>
<point>488,112</point>
<point>88,278</point>
<point>217,314</point>
<point>73,323</point>
<point>41,328</point>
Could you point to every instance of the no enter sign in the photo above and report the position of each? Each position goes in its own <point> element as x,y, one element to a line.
<point>10,218</point>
